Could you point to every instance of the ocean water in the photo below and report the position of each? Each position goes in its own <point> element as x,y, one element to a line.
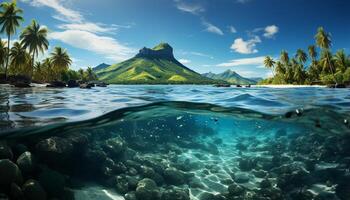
<point>175,142</point>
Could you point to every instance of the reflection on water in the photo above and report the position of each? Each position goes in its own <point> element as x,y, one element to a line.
<point>40,105</point>
<point>182,150</point>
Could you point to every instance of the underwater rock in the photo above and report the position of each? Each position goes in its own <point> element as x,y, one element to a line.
<point>175,194</point>
<point>16,192</point>
<point>114,146</point>
<point>147,190</point>
<point>121,184</point>
<point>174,176</point>
<point>265,184</point>
<point>247,164</point>
<point>55,150</point>
<point>207,196</point>
<point>5,151</point>
<point>259,173</point>
<point>53,182</point>
<point>130,196</point>
<point>26,162</point>
<point>119,168</point>
<point>18,149</point>
<point>9,173</point>
<point>32,190</point>
<point>95,156</point>
<point>241,177</point>
<point>235,190</point>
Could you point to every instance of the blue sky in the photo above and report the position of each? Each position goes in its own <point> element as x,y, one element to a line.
<point>207,35</point>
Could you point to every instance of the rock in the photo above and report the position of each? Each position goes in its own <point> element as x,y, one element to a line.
<point>207,196</point>
<point>95,156</point>
<point>5,151</point>
<point>16,192</point>
<point>241,177</point>
<point>265,184</point>
<point>9,173</point>
<point>174,176</point>
<point>235,190</point>
<point>114,146</point>
<point>247,164</point>
<point>147,190</point>
<point>85,86</point>
<point>25,162</point>
<point>259,173</point>
<point>72,84</point>
<point>18,149</point>
<point>32,190</point>
<point>55,150</point>
<point>122,185</point>
<point>130,196</point>
<point>222,85</point>
<point>175,194</point>
<point>53,182</point>
<point>21,85</point>
<point>101,84</point>
<point>56,84</point>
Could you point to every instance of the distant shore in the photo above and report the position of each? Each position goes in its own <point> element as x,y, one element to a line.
<point>289,86</point>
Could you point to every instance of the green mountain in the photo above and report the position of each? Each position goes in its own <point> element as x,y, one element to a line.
<point>152,66</point>
<point>230,77</point>
<point>101,66</point>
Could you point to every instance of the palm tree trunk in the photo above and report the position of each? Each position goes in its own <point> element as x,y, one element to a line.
<point>8,55</point>
<point>330,65</point>
<point>32,69</point>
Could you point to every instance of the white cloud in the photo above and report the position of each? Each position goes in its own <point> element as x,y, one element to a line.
<point>88,26</point>
<point>270,31</point>
<point>195,53</point>
<point>184,61</point>
<point>63,13</point>
<point>80,33</point>
<point>107,46</point>
<point>192,8</point>
<point>212,28</point>
<point>255,61</point>
<point>232,29</point>
<point>245,47</point>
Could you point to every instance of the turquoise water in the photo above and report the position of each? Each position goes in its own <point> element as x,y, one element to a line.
<point>176,142</point>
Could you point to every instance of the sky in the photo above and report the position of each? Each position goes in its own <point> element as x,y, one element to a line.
<point>207,35</point>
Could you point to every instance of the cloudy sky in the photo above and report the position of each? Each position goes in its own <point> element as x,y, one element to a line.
<point>207,35</point>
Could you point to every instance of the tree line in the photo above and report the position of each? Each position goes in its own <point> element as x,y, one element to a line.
<point>319,65</point>
<point>20,58</point>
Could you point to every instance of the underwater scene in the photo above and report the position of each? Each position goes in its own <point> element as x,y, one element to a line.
<point>175,143</point>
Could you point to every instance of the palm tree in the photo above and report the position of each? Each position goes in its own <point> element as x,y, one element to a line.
<point>34,38</point>
<point>284,57</point>
<point>3,53</point>
<point>323,40</point>
<point>269,63</point>
<point>19,58</point>
<point>312,52</point>
<point>301,56</point>
<point>325,62</point>
<point>81,73</point>
<point>60,60</point>
<point>280,68</point>
<point>10,18</point>
<point>90,74</point>
<point>47,68</point>
<point>341,61</point>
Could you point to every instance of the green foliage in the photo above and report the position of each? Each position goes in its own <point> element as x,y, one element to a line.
<point>329,69</point>
<point>10,18</point>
